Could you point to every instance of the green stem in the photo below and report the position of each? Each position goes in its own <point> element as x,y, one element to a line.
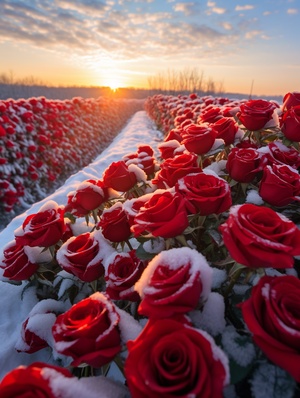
<point>233,281</point>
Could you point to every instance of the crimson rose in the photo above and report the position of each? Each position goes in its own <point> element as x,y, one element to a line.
<point>123,270</point>
<point>164,215</point>
<point>205,193</point>
<point>89,195</point>
<point>89,332</point>
<point>166,358</point>
<point>255,114</point>
<point>114,223</point>
<point>260,237</point>
<point>173,283</point>
<point>291,99</point>
<point>121,177</point>
<point>83,255</point>
<point>198,138</point>
<point>243,164</point>
<point>174,168</point>
<point>290,124</point>
<point>272,316</point>
<point>31,382</point>
<point>280,185</point>
<point>44,228</point>
<point>15,262</point>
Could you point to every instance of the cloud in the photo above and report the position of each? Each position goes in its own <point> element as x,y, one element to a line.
<point>226,25</point>
<point>253,33</point>
<point>213,8</point>
<point>186,8</point>
<point>96,30</point>
<point>244,8</point>
<point>292,11</point>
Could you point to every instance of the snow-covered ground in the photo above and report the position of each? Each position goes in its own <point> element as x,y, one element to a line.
<point>14,307</point>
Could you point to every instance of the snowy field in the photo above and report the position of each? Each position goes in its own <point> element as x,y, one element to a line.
<point>14,309</point>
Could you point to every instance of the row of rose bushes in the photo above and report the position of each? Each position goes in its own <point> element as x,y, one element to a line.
<point>44,141</point>
<point>182,270</point>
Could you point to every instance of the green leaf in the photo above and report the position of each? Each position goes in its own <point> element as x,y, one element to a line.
<point>142,254</point>
<point>237,372</point>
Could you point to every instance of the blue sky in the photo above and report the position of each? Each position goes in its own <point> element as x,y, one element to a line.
<point>123,42</point>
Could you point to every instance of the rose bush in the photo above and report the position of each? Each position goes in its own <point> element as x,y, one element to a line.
<point>182,269</point>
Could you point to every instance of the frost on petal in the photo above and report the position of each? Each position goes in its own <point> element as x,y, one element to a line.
<point>174,259</point>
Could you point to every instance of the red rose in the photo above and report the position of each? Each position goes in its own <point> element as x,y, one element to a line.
<point>163,215</point>
<point>120,177</point>
<point>282,154</point>
<point>15,262</point>
<point>260,237</point>
<point>83,255</point>
<point>174,134</point>
<point>167,149</point>
<point>272,316</point>
<point>198,138</point>
<point>291,99</point>
<point>205,193</point>
<point>255,114</point>
<point>114,223</point>
<point>122,272</point>
<point>166,358</point>
<point>226,129</point>
<point>174,168</point>
<point>173,283</point>
<point>89,332</point>
<point>33,381</point>
<point>35,329</point>
<point>89,195</point>
<point>280,185</point>
<point>243,164</point>
<point>210,114</point>
<point>44,228</point>
<point>290,124</point>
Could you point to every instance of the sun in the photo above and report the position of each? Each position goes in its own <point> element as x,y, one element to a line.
<point>113,83</point>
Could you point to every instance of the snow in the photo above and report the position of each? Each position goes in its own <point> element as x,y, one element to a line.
<point>174,259</point>
<point>16,303</point>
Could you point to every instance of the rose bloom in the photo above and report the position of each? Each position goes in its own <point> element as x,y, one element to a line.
<point>167,149</point>
<point>164,215</point>
<point>31,342</point>
<point>15,263</point>
<point>114,223</point>
<point>123,270</point>
<point>172,359</point>
<point>120,177</point>
<point>199,138</point>
<point>174,168</point>
<point>255,114</point>
<point>205,193</point>
<point>44,228</point>
<point>272,316</point>
<point>83,255</point>
<point>226,129</point>
<point>243,164</point>
<point>280,185</point>
<point>174,282</point>
<point>33,381</point>
<point>174,134</point>
<point>88,332</point>
<point>282,154</point>
<point>210,114</point>
<point>291,99</point>
<point>89,195</point>
<point>260,237</point>
<point>36,328</point>
<point>290,124</point>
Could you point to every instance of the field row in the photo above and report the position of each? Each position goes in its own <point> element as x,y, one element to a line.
<point>43,141</point>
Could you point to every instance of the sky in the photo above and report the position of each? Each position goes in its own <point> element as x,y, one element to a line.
<point>246,47</point>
